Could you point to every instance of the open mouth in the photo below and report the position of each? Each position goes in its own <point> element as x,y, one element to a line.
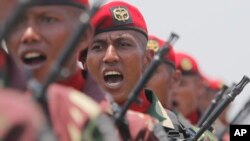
<point>33,58</point>
<point>113,78</point>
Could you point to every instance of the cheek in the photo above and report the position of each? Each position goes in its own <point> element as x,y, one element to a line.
<point>58,34</point>
<point>92,64</point>
<point>12,45</point>
<point>134,69</point>
<point>57,39</point>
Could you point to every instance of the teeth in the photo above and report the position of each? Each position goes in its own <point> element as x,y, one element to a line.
<point>112,73</point>
<point>32,55</point>
<point>113,84</point>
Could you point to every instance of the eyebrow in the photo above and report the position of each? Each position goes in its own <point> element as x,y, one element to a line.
<point>98,41</point>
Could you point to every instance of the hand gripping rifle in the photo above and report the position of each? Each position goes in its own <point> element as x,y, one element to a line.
<point>227,99</point>
<point>213,104</point>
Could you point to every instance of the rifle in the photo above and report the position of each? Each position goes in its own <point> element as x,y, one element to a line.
<point>245,110</point>
<point>158,58</point>
<point>15,16</point>
<point>222,105</point>
<point>214,103</point>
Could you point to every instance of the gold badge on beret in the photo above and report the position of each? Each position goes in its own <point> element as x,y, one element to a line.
<point>186,64</point>
<point>121,14</point>
<point>153,45</point>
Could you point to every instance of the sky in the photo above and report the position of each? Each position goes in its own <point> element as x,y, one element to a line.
<point>215,32</point>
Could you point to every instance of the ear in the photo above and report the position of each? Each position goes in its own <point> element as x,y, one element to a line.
<point>148,57</point>
<point>176,78</point>
<point>82,58</point>
<point>84,44</point>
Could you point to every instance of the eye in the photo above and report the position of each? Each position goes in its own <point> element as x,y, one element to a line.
<point>97,47</point>
<point>48,19</point>
<point>124,44</point>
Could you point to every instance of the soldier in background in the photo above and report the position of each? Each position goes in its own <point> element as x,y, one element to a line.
<point>165,79</point>
<point>185,96</point>
<point>211,88</point>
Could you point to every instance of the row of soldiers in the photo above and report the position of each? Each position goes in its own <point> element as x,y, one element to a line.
<point>85,101</point>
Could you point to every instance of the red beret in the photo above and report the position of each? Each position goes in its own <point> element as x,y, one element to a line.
<point>186,63</point>
<point>155,43</point>
<point>212,84</point>
<point>119,15</point>
<point>78,3</point>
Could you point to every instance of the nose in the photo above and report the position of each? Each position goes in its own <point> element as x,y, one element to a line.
<point>111,56</point>
<point>30,36</point>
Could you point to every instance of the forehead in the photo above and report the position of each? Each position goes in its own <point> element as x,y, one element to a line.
<point>6,7</point>
<point>55,9</point>
<point>124,34</point>
<point>191,78</point>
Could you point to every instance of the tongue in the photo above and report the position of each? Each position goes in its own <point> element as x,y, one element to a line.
<point>113,78</point>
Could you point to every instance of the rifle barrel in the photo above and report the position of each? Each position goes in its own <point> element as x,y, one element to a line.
<point>222,105</point>
<point>213,104</point>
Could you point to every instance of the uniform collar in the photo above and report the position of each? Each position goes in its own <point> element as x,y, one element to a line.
<point>150,104</point>
<point>194,117</point>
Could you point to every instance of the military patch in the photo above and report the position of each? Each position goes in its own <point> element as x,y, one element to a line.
<point>186,64</point>
<point>121,15</point>
<point>153,45</point>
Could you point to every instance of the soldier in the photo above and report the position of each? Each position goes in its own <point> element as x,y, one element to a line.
<point>118,56</point>
<point>10,74</point>
<point>166,77</point>
<point>211,89</point>
<point>185,96</point>
<point>20,118</point>
<point>35,43</point>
